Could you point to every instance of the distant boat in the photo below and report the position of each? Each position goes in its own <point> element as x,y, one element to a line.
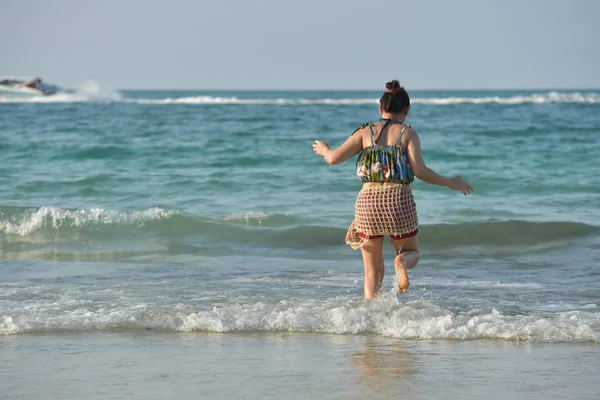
<point>11,86</point>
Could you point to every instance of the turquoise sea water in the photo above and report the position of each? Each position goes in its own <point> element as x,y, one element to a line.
<point>195,211</point>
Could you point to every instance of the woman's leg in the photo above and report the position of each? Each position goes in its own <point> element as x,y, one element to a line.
<point>407,251</point>
<point>372,253</point>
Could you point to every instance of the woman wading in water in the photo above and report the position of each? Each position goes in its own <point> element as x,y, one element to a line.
<point>390,157</point>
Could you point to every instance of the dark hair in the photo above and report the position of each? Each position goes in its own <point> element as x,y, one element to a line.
<point>395,98</point>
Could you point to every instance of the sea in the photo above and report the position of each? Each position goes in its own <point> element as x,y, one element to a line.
<point>190,244</point>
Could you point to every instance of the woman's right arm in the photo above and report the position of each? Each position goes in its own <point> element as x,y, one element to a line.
<point>426,174</point>
<point>351,147</point>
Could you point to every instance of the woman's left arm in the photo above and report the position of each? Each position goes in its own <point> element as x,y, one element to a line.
<point>351,147</point>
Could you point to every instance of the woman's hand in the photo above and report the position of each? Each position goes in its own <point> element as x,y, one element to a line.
<point>457,183</point>
<point>320,147</point>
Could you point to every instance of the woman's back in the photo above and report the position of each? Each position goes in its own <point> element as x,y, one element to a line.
<point>384,157</point>
<point>392,134</point>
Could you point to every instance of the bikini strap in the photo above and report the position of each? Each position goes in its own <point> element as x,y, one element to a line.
<point>387,122</point>
<point>360,127</point>
<point>370,125</point>
<point>402,133</point>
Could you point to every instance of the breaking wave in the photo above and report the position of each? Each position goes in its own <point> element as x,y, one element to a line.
<point>550,97</point>
<point>417,320</point>
<point>267,229</point>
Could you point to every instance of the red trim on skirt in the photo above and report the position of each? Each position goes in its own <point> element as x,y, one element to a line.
<point>394,237</point>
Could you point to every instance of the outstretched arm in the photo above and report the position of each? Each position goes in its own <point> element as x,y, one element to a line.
<point>428,175</point>
<point>351,147</point>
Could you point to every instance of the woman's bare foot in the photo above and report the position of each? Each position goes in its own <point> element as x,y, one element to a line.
<point>403,281</point>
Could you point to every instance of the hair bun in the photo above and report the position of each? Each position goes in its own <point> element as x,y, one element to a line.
<point>392,86</point>
<point>394,98</point>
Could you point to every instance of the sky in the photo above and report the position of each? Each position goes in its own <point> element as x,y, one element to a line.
<point>305,44</point>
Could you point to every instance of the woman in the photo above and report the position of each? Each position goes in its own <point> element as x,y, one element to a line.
<point>390,157</point>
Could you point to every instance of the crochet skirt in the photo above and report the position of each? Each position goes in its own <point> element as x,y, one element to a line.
<point>382,210</point>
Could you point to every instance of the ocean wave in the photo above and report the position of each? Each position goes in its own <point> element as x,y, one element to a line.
<point>23,221</point>
<point>550,97</point>
<point>267,229</point>
<point>237,100</point>
<point>417,320</point>
<point>95,94</point>
<point>543,98</point>
<point>503,233</point>
<point>258,218</point>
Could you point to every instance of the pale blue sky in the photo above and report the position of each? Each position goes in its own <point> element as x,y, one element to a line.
<point>305,44</point>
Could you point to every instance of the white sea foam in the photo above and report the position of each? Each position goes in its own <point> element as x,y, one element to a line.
<point>255,218</point>
<point>236,100</point>
<point>56,218</point>
<point>92,91</point>
<point>88,92</point>
<point>550,97</point>
<point>246,217</point>
<point>411,320</point>
<point>542,98</point>
<point>193,100</point>
<point>478,284</point>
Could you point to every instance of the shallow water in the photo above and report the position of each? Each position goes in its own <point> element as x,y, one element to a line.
<point>116,364</point>
<point>183,225</point>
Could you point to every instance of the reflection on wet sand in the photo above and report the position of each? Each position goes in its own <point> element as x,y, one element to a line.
<point>384,369</point>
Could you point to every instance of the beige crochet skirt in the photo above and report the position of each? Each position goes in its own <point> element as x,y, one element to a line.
<point>382,210</point>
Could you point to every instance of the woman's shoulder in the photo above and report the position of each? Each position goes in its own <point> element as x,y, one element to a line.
<point>363,128</point>
<point>408,135</point>
<point>409,131</point>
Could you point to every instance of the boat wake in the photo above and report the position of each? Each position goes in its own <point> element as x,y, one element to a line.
<point>89,91</point>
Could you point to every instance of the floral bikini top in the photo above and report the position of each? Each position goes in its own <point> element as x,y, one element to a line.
<point>384,163</point>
